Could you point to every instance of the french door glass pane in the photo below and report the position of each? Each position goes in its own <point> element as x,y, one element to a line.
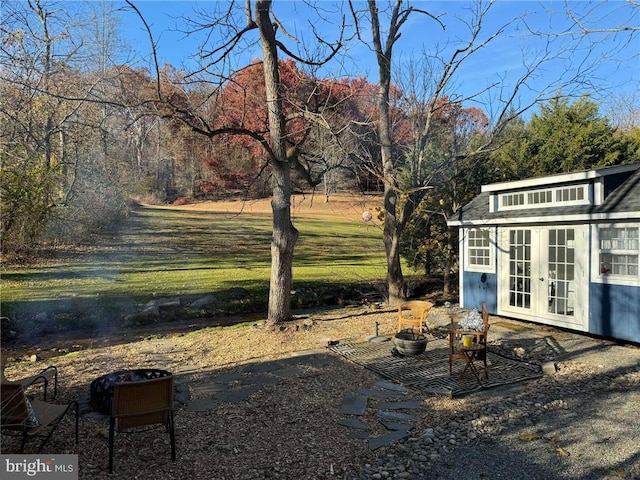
<point>561,285</point>
<point>520,268</point>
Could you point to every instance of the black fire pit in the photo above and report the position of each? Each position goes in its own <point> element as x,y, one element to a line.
<point>409,343</point>
<point>102,387</point>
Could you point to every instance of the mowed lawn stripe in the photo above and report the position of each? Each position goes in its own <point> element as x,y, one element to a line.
<point>161,251</point>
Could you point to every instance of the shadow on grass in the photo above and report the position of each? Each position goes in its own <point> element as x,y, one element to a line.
<point>73,323</point>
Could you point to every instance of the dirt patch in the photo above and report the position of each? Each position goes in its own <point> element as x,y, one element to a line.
<point>54,345</point>
<point>339,206</point>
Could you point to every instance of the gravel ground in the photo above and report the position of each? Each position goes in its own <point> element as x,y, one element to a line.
<point>581,422</point>
<point>571,426</point>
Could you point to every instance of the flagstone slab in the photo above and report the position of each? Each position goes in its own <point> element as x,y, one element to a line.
<point>406,405</point>
<point>226,378</point>
<point>354,423</point>
<point>237,395</point>
<point>395,387</point>
<point>209,388</point>
<point>396,416</point>
<point>201,405</point>
<point>359,434</point>
<point>396,425</point>
<point>387,439</point>
<point>380,394</point>
<point>260,380</point>
<point>290,372</point>
<point>354,405</point>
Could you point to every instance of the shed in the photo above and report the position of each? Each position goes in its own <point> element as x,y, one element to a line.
<point>560,250</point>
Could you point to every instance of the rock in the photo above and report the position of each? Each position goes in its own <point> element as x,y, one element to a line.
<point>428,433</point>
<point>144,317</point>
<point>549,368</point>
<point>163,303</point>
<point>519,352</point>
<point>150,311</point>
<point>238,292</point>
<point>203,302</point>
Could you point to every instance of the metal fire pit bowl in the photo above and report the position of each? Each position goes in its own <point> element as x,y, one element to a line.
<point>102,387</point>
<point>409,343</point>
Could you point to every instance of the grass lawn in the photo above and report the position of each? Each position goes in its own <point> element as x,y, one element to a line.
<point>198,250</point>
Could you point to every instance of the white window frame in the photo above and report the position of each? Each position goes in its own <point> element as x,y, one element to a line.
<point>490,248</point>
<point>526,195</point>
<point>560,192</point>
<point>597,275</point>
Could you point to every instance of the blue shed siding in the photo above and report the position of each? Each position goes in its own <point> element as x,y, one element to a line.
<point>614,311</point>
<point>478,288</point>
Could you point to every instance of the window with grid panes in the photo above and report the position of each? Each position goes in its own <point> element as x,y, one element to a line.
<point>619,251</point>
<point>479,248</point>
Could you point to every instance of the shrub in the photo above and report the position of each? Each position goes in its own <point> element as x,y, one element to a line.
<point>181,201</point>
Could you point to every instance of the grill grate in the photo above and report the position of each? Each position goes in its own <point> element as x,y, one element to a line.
<point>429,371</point>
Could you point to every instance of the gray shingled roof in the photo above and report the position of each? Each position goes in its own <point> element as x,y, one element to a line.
<point>624,199</point>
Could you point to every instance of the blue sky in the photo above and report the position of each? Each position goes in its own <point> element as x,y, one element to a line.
<point>612,60</point>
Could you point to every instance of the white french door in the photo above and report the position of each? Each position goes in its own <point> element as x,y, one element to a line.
<point>542,274</point>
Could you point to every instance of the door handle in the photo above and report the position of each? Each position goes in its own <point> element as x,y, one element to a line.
<point>541,279</point>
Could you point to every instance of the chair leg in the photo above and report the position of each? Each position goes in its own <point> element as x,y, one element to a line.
<point>55,383</point>
<point>172,436</point>
<point>23,441</point>
<point>46,439</point>
<point>75,404</point>
<point>112,424</point>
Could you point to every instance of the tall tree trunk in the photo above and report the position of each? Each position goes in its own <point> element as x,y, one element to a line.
<point>392,228</point>
<point>448,264</point>
<point>395,278</point>
<point>284,235</point>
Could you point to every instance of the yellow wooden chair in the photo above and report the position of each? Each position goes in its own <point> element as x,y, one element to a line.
<point>479,341</point>
<point>414,314</point>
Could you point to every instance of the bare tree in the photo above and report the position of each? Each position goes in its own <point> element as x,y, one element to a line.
<point>35,53</point>
<point>584,22</point>
<point>282,157</point>
<point>502,101</point>
<point>624,111</point>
